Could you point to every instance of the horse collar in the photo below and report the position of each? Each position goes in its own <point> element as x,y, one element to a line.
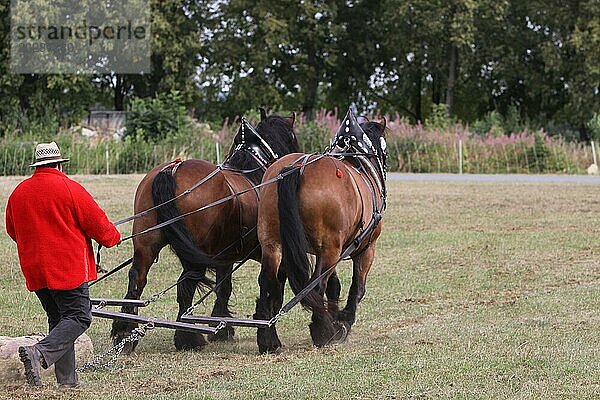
<point>256,144</point>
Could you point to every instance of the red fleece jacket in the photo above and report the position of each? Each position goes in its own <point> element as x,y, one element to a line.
<point>52,218</point>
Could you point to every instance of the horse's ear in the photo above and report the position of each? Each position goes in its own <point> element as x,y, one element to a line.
<point>263,114</point>
<point>383,124</point>
<point>292,118</point>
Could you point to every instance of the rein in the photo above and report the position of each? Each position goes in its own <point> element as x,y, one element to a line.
<point>220,167</point>
<point>186,192</point>
<point>280,176</point>
<point>220,201</point>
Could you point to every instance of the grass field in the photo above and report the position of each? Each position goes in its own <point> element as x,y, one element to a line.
<point>478,291</point>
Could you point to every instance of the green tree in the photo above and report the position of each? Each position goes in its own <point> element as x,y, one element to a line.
<point>268,53</point>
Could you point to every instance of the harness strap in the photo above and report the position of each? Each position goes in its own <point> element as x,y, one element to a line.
<point>362,202</point>
<point>116,269</point>
<point>186,192</point>
<point>240,211</point>
<point>304,163</point>
<point>312,284</point>
<point>255,154</point>
<point>252,184</point>
<point>217,202</point>
<point>226,166</point>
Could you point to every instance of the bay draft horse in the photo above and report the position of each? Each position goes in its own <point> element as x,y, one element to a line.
<point>321,207</point>
<point>211,239</point>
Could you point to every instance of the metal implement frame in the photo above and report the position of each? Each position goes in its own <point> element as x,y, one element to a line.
<point>248,323</point>
<point>159,323</point>
<point>188,320</point>
<point>102,302</point>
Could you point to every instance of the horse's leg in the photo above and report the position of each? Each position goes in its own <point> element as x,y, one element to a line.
<point>332,290</point>
<point>361,266</point>
<point>278,301</point>
<point>145,252</point>
<point>330,286</point>
<point>322,329</point>
<point>221,307</point>
<point>269,300</point>
<point>186,288</point>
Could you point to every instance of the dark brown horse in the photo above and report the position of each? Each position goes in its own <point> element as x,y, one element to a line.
<point>212,239</point>
<point>322,206</point>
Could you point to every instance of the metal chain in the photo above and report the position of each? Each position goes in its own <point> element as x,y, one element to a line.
<point>276,317</point>
<point>191,308</point>
<point>98,361</point>
<point>155,297</point>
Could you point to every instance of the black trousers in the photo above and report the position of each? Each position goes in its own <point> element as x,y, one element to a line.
<point>69,315</point>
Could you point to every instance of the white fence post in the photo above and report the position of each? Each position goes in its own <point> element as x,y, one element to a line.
<point>218,152</point>
<point>460,157</point>
<point>594,152</point>
<point>107,161</point>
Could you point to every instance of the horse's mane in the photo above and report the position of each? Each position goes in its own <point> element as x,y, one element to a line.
<point>278,132</point>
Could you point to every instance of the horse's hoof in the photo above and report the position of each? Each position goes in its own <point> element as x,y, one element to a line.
<point>189,341</point>
<point>322,332</point>
<point>269,349</point>
<point>120,331</point>
<point>128,347</point>
<point>341,332</point>
<point>268,341</point>
<point>224,335</point>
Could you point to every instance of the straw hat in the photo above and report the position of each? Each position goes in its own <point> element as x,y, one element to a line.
<point>47,153</point>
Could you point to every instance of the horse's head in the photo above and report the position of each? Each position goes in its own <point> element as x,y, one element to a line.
<point>256,148</point>
<point>278,131</point>
<point>366,138</point>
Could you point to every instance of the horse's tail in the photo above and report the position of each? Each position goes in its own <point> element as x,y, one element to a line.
<point>294,243</point>
<point>194,261</point>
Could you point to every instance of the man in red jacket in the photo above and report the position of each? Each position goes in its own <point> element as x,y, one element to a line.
<point>53,219</point>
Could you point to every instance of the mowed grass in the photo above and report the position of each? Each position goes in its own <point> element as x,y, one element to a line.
<point>478,291</point>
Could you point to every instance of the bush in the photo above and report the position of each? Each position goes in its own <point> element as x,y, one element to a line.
<point>538,154</point>
<point>491,123</point>
<point>312,136</point>
<point>594,126</point>
<point>159,117</point>
<point>41,119</point>
<point>411,148</point>
<point>439,118</point>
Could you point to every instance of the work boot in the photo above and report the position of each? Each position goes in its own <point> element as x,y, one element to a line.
<point>32,361</point>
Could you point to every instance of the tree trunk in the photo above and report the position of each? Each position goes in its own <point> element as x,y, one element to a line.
<point>452,67</point>
<point>308,108</point>
<point>119,93</point>
<point>313,86</point>
<point>435,89</point>
<point>418,89</point>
